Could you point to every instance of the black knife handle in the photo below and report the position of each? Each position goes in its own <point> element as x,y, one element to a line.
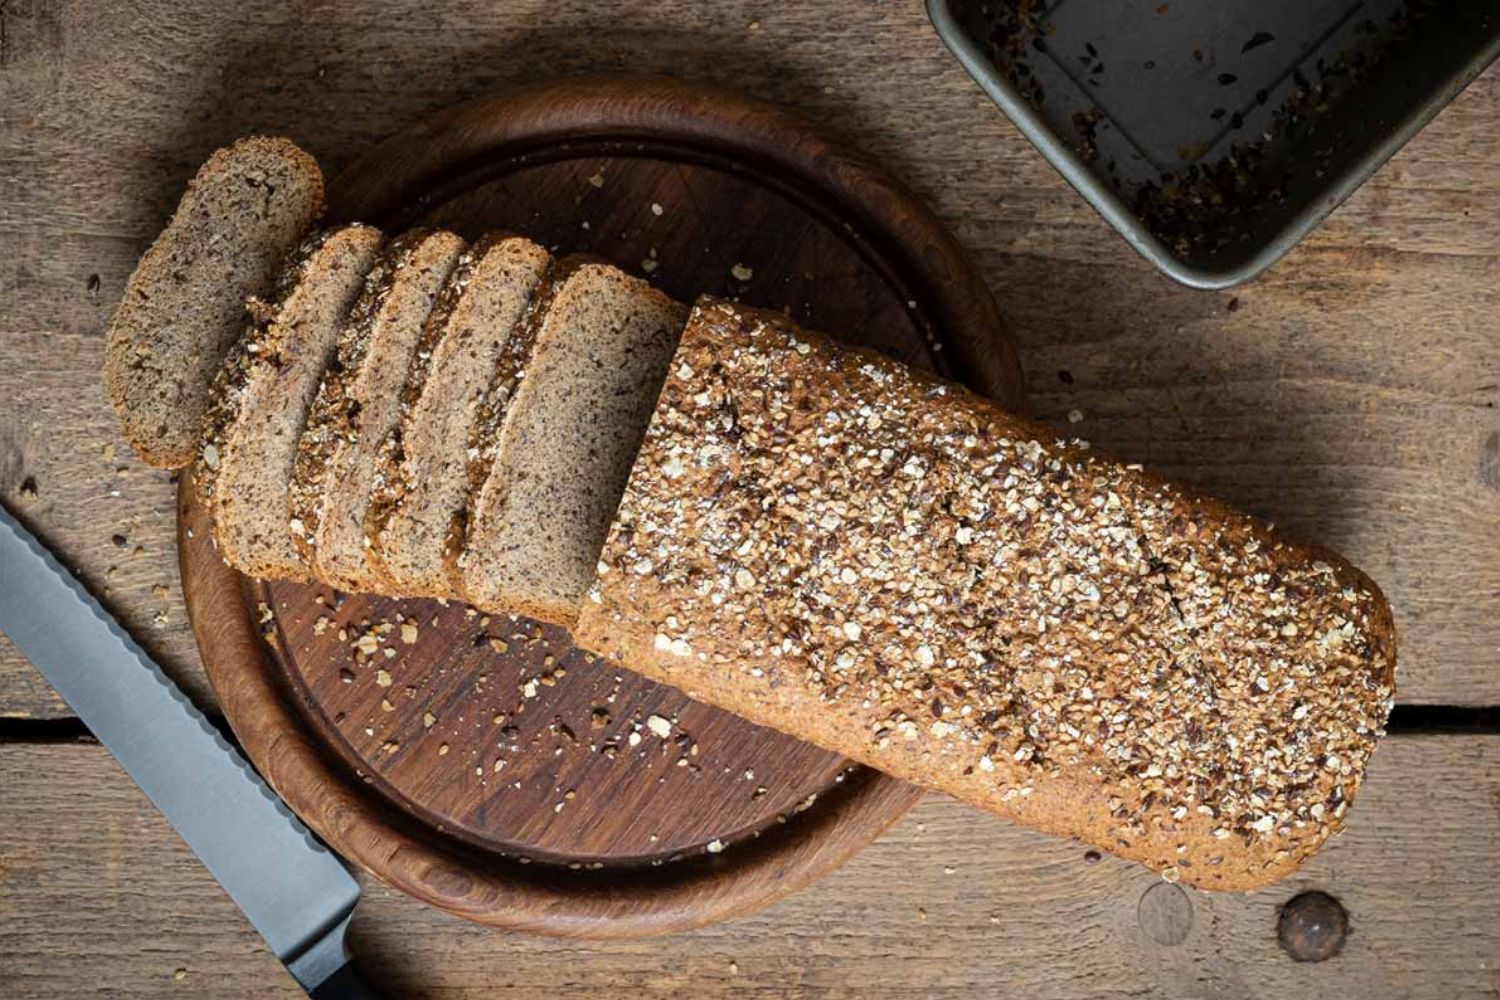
<point>344,984</point>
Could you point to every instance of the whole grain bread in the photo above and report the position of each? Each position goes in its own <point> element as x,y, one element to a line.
<point>358,405</point>
<point>472,346</point>
<point>825,542</point>
<point>244,211</point>
<point>566,441</point>
<point>263,395</point>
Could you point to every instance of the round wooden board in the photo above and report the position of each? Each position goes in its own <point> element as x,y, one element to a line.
<point>481,763</point>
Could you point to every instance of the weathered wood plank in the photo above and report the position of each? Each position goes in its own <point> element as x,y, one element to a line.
<point>1352,394</point>
<point>97,894</point>
<point>68,474</point>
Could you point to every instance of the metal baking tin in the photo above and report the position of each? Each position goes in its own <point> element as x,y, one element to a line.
<point>1233,68</point>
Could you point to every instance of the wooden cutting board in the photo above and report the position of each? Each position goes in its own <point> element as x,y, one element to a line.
<point>482,763</point>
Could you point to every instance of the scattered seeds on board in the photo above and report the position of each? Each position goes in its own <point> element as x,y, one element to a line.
<point>742,272</point>
<point>597,180</point>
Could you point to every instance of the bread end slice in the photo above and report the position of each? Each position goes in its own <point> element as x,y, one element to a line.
<point>244,211</point>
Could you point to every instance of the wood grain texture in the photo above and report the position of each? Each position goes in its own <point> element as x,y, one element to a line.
<point>1354,394</point>
<point>949,904</point>
<point>497,732</point>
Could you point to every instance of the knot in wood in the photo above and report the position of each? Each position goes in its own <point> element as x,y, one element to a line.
<point>1313,927</point>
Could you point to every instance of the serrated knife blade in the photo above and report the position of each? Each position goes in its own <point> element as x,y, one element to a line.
<point>293,890</point>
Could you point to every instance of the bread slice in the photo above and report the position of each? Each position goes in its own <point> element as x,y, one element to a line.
<point>472,341</point>
<point>244,211</point>
<point>566,442</point>
<point>262,399</point>
<point>825,542</point>
<point>359,403</point>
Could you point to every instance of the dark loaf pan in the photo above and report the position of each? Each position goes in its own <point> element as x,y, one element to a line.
<point>1214,134</point>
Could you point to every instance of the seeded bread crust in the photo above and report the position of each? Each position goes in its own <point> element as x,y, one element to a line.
<point>473,350</point>
<point>183,309</point>
<point>327,477</point>
<point>262,397</point>
<point>527,530</point>
<point>822,541</point>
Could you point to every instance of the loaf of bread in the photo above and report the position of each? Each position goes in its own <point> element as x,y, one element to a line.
<point>812,536</point>
<point>243,213</point>
<point>263,395</point>
<point>471,349</point>
<point>358,405</point>
<point>881,563</point>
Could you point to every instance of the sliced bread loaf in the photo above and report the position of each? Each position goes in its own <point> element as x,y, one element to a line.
<point>825,542</point>
<point>184,306</point>
<point>472,343</point>
<point>566,441</point>
<point>358,404</point>
<point>263,396</point>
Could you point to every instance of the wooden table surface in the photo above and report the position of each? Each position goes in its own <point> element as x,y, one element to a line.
<point>1351,394</point>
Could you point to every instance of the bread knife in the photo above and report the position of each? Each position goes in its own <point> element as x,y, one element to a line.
<point>293,890</point>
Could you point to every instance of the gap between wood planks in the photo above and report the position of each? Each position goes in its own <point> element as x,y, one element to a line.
<point>1405,720</point>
